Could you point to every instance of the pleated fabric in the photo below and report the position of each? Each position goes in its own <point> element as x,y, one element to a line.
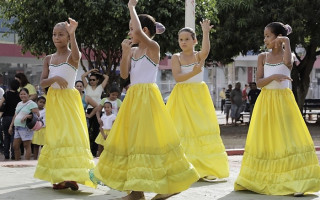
<point>279,157</point>
<point>100,140</point>
<point>66,155</point>
<point>39,137</point>
<point>194,116</point>
<point>143,151</point>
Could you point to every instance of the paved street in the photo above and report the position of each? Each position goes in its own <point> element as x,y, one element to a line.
<point>17,183</point>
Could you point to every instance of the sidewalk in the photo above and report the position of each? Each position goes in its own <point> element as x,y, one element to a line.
<point>17,183</point>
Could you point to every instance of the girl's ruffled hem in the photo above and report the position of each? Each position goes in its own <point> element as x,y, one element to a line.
<point>65,164</point>
<point>293,173</point>
<point>162,173</point>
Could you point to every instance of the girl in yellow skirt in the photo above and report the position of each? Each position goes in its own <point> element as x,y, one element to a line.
<point>143,151</point>
<point>65,159</point>
<point>192,110</point>
<point>39,136</point>
<point>107,121</point>
<point>279,156</point>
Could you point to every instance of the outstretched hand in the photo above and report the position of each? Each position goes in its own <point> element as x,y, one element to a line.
<point>71,26</point>
<point>132,2</point>
<point>205,25</point>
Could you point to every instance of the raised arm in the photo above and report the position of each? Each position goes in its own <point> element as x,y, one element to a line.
<point>137,31</point>
<point>75,54</point>
<point>85,75</point>
<point>105,80</point>
<point>205,49</point>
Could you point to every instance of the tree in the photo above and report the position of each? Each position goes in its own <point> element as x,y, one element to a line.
<point>102,26</point>
<point>241,29</point>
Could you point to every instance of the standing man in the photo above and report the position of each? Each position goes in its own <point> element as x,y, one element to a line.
<point>236,102</point>
<point>228,102</point>
<point>252,96</point>
<point>222,95</point>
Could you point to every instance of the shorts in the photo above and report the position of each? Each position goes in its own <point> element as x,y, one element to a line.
<point>227,108</point>
<point>235,111</point>
<point>23,132</point>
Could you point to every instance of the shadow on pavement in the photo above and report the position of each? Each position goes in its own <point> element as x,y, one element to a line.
<point>247,195</point>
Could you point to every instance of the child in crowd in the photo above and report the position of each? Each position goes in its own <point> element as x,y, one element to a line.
<point>143,150</point>
<point>113,99</point>
<point>65,158</point>
<point>107,118</point>
<point>279,156</point>
<point>39,136</point>
<point>192,110</point>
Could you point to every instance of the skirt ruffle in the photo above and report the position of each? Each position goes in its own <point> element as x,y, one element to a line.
<point>39,137</point>
<point>100,140</point>
<point>279,156</point>
<point>143,151</point>
<point>193,113</point>
<point>66,154</point>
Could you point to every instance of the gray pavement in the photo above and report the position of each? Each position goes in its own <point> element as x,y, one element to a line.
<point>17,182</point>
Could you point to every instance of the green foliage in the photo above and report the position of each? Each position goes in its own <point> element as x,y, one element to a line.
<point>102,25</point>
<point>242,23</point>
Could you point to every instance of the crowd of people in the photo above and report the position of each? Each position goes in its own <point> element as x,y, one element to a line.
<point>147,146</point>
<point>22,95</point>
<point>238,101</point>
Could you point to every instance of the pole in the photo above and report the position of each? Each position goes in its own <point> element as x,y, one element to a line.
<point>190,13</point>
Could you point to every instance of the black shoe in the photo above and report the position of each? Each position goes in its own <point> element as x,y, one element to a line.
<point>7,157</point>
<point>12,158</point>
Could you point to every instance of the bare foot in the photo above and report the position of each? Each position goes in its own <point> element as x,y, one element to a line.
<point>163,196</point>
<point>134,196</point>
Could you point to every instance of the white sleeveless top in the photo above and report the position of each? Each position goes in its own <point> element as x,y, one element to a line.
<point>143,70</point>
<point>64,70</point>
<point>279,68</point>
<point>189,68</point>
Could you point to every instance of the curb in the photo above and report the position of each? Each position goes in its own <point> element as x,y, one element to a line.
<point>236,152</point>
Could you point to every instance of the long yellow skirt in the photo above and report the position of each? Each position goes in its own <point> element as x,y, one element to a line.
<point>100,140</point>
<point>193,113</point>
<point>66,154</point>
<point>279,156</point>
<point>143,151</point>
<point>39,137</point>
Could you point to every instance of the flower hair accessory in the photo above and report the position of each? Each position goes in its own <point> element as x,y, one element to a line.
<point>160,28</point>
<point>288,28</point>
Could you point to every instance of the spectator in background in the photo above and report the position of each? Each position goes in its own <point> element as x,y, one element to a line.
<point>222,95</point>
<point>94,89</point>
<point>125,88</point>
<point>245,100</point>
<point>24,83</point>
<point>236,102</point>
<point>9,103</point>
<point>23,134</point>
<point>252,96</point>
<point>228,102</point>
